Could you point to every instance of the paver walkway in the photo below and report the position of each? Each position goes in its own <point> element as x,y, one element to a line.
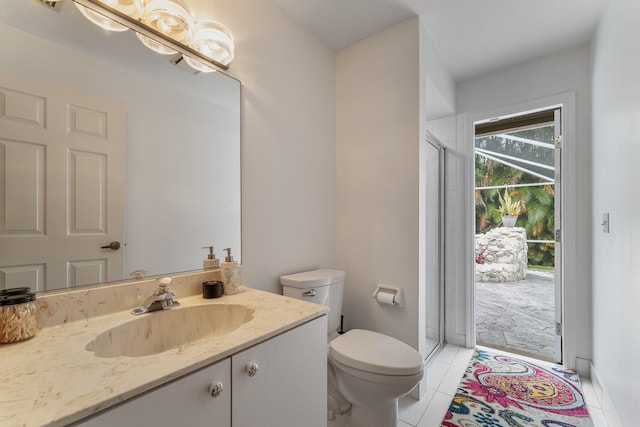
<point>518,316</point>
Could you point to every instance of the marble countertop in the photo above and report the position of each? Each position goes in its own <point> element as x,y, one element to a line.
<point>53,380</point>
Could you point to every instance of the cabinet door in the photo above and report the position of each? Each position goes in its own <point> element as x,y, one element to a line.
<point>289,388</point>
<point>185,402</point>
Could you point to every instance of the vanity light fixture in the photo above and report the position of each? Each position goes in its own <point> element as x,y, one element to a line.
<point>214,40</point>
<point>52,4</point>
<point>99,20</point>
<point>169,27</point>
<point>132,8</point>
<point>173,18</point>
<point>155,46</point>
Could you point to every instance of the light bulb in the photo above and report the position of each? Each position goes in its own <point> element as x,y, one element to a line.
<point>172,18</point>
<point>132,8</point>
<point>214,41</point>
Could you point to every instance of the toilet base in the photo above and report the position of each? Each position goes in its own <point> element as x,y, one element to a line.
<point>376,416</point>
<point>336,402</point>
<point>374,397</point>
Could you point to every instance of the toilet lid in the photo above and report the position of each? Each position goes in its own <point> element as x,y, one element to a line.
<point>377,353</point>
<point>311,279</point>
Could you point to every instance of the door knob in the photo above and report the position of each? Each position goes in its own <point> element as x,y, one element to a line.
<point>215,389</point>
<point>114,246</point>
<point>251,370</point>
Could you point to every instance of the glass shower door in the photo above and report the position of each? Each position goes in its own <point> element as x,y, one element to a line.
<point>434,243</point>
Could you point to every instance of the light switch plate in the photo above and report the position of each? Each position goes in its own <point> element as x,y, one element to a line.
<point>605,222</point>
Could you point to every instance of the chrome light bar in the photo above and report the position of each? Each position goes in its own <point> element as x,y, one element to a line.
<point>121,18</point>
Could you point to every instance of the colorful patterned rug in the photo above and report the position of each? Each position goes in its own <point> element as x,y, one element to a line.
<point>498,390</point>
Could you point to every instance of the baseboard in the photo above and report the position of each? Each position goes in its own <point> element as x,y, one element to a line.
<point>583,367</point>
<point>606,405</point>
<point>457,339</point>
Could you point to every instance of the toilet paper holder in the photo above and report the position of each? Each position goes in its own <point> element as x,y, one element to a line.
<point>389,295</point>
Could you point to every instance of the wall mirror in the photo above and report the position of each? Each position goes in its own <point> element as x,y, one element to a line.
<point>68,88</point>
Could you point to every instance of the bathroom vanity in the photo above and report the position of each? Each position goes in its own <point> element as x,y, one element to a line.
<point>269,354</point>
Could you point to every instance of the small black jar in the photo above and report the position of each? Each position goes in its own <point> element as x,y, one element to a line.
<point>212,289</point>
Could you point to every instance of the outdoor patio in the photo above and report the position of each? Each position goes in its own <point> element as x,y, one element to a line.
<point>518,316</point>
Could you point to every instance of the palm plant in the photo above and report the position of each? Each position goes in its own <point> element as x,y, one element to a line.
<point>509,206</point>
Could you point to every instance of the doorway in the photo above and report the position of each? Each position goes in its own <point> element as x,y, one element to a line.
<point>517,267</point>
<point>434,246</point>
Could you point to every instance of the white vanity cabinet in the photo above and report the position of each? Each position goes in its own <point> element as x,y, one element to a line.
<point>288,385</point>
<point>184,402</point>
<point>279,382</point>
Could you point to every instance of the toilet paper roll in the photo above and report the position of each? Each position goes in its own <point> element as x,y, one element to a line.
<point>385,298</point>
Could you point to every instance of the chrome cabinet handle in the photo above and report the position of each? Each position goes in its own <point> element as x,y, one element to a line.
<point>114,246</point>
<point>309,293</point>
<point>215,389</point>
<point>251,370</point>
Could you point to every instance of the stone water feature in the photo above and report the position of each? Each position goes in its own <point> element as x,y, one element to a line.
<point>501,255</point>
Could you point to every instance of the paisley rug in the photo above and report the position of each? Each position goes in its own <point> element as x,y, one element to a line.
<point>498,390</point>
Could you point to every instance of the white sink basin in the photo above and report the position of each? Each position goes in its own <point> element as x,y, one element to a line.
<point>159,331</point>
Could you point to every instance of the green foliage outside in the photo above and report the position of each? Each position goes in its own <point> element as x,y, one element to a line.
<point>537,202</point>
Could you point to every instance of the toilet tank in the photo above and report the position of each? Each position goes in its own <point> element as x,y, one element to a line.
<point>318,286</point>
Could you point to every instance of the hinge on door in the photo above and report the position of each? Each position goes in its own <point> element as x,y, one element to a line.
<point>558,236</point>
<point>558,141</point>
<point>558,328</point>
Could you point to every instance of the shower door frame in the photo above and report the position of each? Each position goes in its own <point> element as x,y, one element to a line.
<point>435,143</point>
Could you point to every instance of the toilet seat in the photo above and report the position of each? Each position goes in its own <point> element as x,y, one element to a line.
<point>375,353</point>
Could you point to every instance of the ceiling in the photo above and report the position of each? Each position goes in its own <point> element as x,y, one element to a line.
<point>473,37</point>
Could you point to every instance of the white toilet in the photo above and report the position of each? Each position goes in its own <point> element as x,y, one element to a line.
<point>368,369</point>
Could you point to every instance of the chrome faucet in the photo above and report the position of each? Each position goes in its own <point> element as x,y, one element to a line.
<point>161,299</point>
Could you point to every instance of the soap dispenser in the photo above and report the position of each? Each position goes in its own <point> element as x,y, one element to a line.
<point>210,261</point>
<point>230,272</point>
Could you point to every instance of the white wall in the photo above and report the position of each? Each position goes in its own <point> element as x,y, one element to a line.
<point>288,142</point>
<point>378,141</point>
<point>440,88</point>
<point>616,150</point>
<point>547,76</point>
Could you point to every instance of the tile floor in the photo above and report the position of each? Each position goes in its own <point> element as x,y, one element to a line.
<point>443,375</point>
